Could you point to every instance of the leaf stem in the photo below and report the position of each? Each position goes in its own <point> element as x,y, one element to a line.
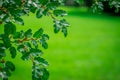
<point>32,58</point>
<point>53,17</point>
<point>26,39</point>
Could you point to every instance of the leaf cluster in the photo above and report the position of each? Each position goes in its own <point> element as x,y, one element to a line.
<point>26,42</point>
<point>98,5</point>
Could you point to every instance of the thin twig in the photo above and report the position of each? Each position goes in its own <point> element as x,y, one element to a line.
<point>32,58</point>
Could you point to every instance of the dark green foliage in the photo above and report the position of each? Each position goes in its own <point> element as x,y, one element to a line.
<point>7,68</point>
<point>13,52</point>
<point>17,35</point>
<point>28,33</point>
<point>2,53</point>
<point>56,28</point>
<point>38,33</point>
<point>97,7</point>
<point>52,5</point>
<point>9,28</point>
<point>45,37</point>
<point>45,74</point>
<point>61,25</point>
<point>35,52</point>
<point>59,13</point>
<point>111,6</point>
<point>43,2</point>
<point>19,20</point>
<point>2,50</point>
<point>44,43</point>
<point>41,61</point>
<point>37,72</point>
<point>64,30</point>
<point>9,65</point>
<point>39,13</point>
<point>34,42</point>
<point>6,41</point>
<point>26,42</point>
<point>21,49</point>
<point>25,56</point>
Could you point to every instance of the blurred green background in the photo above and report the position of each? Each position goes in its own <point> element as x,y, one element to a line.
<point>91,51</point>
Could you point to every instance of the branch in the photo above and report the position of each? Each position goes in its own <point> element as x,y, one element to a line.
<point>51,14</point>
<point>26,39</point>
<point>32,58</point>
<point>53,17</point>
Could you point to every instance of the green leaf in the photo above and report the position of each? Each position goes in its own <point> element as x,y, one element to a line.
<point>59,12</point>
<point>35,52</point>
<point>6,41</point>
<point>22,34</point>
<point>6,18</point>
<point>38,33</point>
<point>56,28</point>
<point>26,56</point>
<point>33,9</point>
<point>39,73</point>
<point>45,12</point>
<point>36,72</point>
<point>64,30</point>
<point>2,46</point>
<point>45,74</point>
<point>28,33</point>
<point>19,20</point>
<point>97,7</point>
<point>16,42</point>
<point>53,5</point>
<point>21,49</point>
<point>43,2</point>
<point>45,37</point>
<point>8,73</point>
<point>34,42</point>
<point>2,53</point>
<point>27,44</point>
<point>40,60</point>
<point>10,65</point>
<point>16,35</point>
<point>18,2</point>
<point>64,23</point>
<point>13,52</point>
<point>9,28</point>
<point>44,43</point>
<point>39,13</point>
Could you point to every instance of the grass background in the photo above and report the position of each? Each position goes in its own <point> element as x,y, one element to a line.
<point>91,50</point>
